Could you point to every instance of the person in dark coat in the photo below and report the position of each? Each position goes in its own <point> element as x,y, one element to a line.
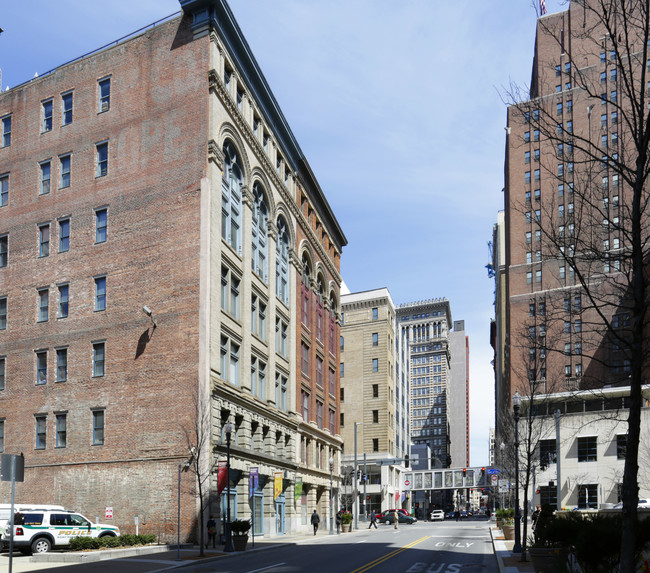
<point>315,520</point>
<point>339,519</point>
<point>373,520</point>
<point>212,532</point>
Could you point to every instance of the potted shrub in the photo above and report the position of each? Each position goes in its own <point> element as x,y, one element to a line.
<point>346,522</point>
<point>508,527</point>
<point>239,530</point>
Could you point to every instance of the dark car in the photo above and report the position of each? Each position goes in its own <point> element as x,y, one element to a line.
<point>389,517</point>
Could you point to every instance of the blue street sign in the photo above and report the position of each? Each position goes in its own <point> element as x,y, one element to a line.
<point>491,471</point>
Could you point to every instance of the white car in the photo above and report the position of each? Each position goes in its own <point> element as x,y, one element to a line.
<point>437,515</point>
<point>38,531</point>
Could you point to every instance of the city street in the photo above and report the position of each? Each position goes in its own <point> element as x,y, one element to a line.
<point>441,547</point>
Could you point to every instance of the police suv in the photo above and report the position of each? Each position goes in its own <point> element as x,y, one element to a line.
<point>38,531</point>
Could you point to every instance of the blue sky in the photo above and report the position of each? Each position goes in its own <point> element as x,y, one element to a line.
<point>398,107</point>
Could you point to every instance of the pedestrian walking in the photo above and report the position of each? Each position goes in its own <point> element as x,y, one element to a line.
<point>212,532</point>
<point>373,520</point>
<point>338,521</point>
<point>315,520</point>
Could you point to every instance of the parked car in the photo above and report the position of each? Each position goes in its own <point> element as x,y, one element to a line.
<point>388,517</point>
<point>463,514</point>
<point>643,504</point>
<point>437,515</point>
<point>389,512</point>
<point>38,531</point>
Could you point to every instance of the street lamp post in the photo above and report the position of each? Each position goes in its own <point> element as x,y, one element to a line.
<point>331,493</point>
<point>516,405</point>
<point>228,545</point>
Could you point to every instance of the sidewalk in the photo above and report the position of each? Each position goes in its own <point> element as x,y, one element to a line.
<point>508,561</point>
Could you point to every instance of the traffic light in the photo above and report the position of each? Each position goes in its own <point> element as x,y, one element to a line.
<point>358,474</point>
<point>406,460</point>
<point>464,472</point>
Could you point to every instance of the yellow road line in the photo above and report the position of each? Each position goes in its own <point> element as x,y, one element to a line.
<point>388,556</point>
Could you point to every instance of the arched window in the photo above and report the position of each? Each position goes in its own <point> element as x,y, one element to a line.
<point>259,259</point>
<point>282,262</point>
<point>231,198</point>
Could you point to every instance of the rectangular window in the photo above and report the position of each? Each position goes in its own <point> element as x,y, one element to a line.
<point>304,405</point>
<point>61,364</point>
<point>229,292</point>
<point>588,496</point>
<point>319,371</point>
<point>332,378</point>
<point>61,430</point>
<point>101,225</point>
<point>98,359</point>
<point>375,365</point>
<point>3,363</point>
<point>63,301</point>
<point>319,413</point>
<point>304,358</point>
<point>3,313</point>
<point>66,108</point>
<point>229,360</point>
<point>588,449</point>
<point>4,190</point>
<point>621,446</point>
<point>375,313</point>
<point>47,115</point>
<point>100,293</point>
<point>281,334</point>
<point>98,427</point>
<point>341,370</point>
<point>46,175</point>
<point>41,432</point>
<point>281,392</point>
<point>43,240</point>
<point>64,235</point>
<point>375,444</point>
<point>104,94</point>
<point>65,161</point>
<point>375,390</point>
<point>6,131</point>
<point>547,452</point>
<point>375,339</point>
<point>41,367</point>
<point>43,304</point>
<point>102,159</point>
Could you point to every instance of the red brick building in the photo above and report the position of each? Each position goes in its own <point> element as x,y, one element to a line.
<point>159,172</point>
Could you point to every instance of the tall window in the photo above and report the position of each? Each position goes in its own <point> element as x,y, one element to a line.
<point>547,452</point>
<point>6,131</point>
<point>100,293</point>
<point>281,392</point>
<point>65,161</point>
<point>102,159</point>
<point>43,305</point>
<point>99,358</point>
<point>46,176</point>
<point>319,371</point>
<point>4,190</point>
<point>304,356</point>
<point>375,339</point>
<point>304,401</point>
<point>61,430</point>
<point>104,94</point>
<point>588,496</point>
<point>621,446</point>
<point>258,316</point>
<point>231,198</point>
<point>332,381</point>
<point>259,259</point>
<point>44,241</point>
<point>3,363</point>
<point>41,432</point>
<point>66,108</point>
<point>375,313</point>
<point>319,413</point>
<point>229,292</point>
<point>282,262</point>
<point>63,301</point>
<point>98,427</point>
<point>375,364</point>
<point>258,378</point>
<point>64,235</point>
<point>101,225</point>
<point>61,364</point>
<point>41,367</point>
<point>3,313</point>
<point>4,250</point>
<point>47,116</point>
<point>281,333</point>
<point>305,289</point>
<point>229,360</point>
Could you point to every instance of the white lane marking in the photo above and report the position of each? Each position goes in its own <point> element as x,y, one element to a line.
<point>265,568</point>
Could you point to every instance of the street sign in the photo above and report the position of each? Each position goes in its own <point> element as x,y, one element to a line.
<point>491,471</point>
<point>108,514</point>
<point>494,478</point>
<point>407,483</point>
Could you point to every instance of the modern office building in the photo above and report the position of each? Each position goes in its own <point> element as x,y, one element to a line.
<point>374,400</point>
<point>158,174</point>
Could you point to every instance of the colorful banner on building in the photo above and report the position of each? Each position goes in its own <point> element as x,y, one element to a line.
<point>253,481</point>
<point>277,484</point>
<point>397,496</point>
<point>222,477</point>
<point>297,489</point>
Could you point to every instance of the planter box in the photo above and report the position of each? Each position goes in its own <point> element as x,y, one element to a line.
<point>345,527</point>
<point>239,542</point>
<point>508,532</point>
<point>548,559</point>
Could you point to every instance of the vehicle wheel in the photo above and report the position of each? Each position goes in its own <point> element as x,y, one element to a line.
<point>41,545</point>
<point>107,535</point>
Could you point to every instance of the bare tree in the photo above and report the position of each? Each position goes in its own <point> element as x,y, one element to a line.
<point>594,133</point>
<point>198,438</point>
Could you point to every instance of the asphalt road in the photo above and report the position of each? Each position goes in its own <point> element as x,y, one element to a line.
<point>440,547</point>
